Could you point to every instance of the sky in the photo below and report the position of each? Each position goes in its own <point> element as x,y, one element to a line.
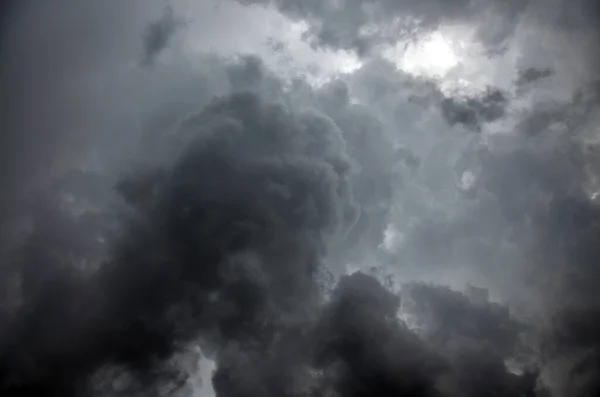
<point>299,198</point>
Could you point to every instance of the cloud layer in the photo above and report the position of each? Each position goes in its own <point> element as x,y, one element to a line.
<point>177,202</point>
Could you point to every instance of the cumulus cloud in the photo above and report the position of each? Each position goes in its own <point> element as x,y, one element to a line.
<point>266,186</point>
<point>219,205</point>
<point>223,242</point>
<point>532,192</point>
<point>361,26</point>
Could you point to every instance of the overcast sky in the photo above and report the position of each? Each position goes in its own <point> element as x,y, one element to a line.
<point>186,176</point>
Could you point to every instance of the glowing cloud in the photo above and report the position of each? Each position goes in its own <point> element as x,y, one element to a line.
<point>433,56</point>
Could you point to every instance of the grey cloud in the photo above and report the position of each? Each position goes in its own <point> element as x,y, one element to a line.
<point>472,112</point>
<point>532,195</point>
<point>262,205</point>
<point>526,226</point>
<point>570,115</point>
<point>375,179</point>
<point>238,201</point>
<point>266,188</point>
<point>158,34</point>
<point>358,347</point>
<point>50,53</point>
<point>450,315</point>
<point>530,76</point>
<point>358,25</point>
<point>367,351</point>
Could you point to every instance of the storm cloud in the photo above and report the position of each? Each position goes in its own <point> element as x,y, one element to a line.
<point>361,26</point>
<point>350,236</point>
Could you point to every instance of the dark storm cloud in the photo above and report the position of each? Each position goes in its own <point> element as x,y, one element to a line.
<point>530,76</point>
<point>367,351</point>
<point>358,347</point>
<point>475,335</point>
<point>572,223</point>
<point>44,281</point>
<point>259,188</point>
<point>451,315</point>
<point>158,34</point>
<point>472,112</point>
<point>239,202</point>
<point>224,242</point>
<point>361,25</point>
<point>571,339</point>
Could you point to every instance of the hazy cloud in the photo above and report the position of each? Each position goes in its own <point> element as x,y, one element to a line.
<point>360,26</point>
<point>213,201</point>
<point>158,35</point>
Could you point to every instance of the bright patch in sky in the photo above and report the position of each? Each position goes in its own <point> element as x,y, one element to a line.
<point>467,181</point>
<point>432,56</point>
<point>391,239</point>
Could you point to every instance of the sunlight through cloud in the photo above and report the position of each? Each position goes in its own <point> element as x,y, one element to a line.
<point>431,56</point>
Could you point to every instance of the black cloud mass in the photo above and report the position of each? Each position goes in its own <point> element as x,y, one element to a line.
<point>371,235</point>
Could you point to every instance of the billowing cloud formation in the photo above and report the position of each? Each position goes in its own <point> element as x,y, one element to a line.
<point>242,197</point>
<point>361,25</point>
<point>231,236</point>
<point>533,189</point>
<point>449,315</point>
<point>225,243</point>
<point>476,336</point>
